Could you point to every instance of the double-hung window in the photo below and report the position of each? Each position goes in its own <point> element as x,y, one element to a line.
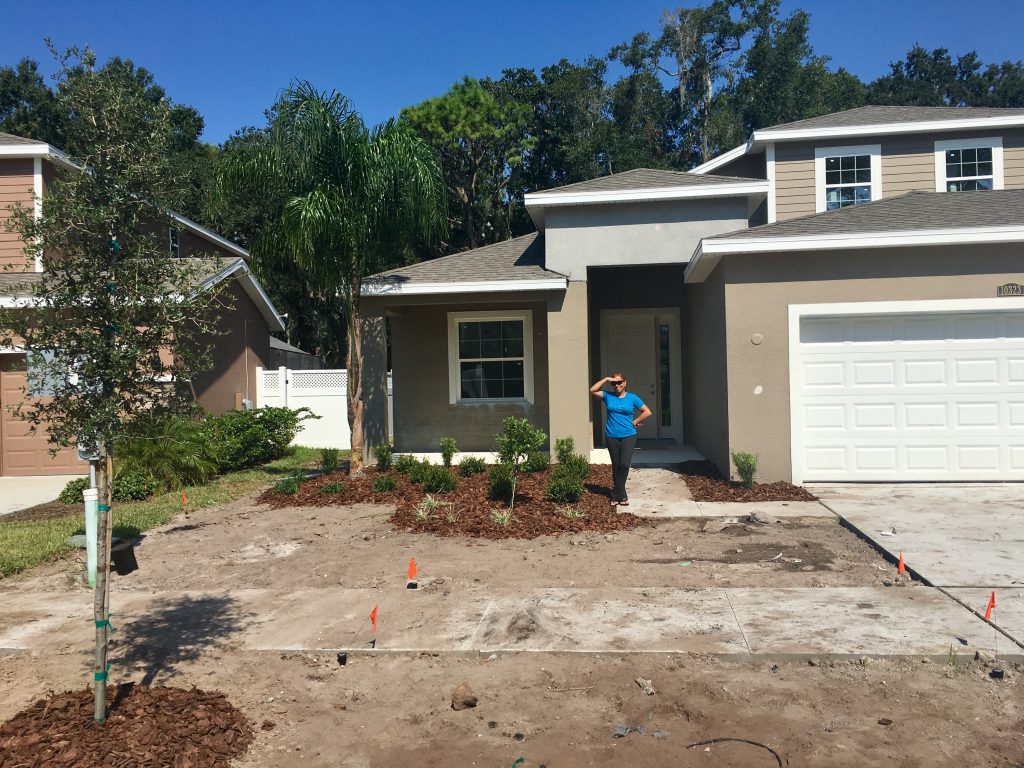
<point>964,165</point>
<point>490,356</point>
<point>847,176</point>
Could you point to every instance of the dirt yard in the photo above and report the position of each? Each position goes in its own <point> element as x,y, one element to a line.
<point>553,709</point>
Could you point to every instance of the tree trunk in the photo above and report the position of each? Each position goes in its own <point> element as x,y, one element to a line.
<point>355,384</point>
<point>101,602</point>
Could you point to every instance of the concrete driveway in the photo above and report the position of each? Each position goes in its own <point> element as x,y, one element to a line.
<point>966,539</point>
<point>20,492</point>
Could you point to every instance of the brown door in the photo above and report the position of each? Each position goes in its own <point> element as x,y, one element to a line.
<point>21,452</point>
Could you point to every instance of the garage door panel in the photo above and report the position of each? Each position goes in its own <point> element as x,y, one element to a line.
<point>22,451</point>
<point>924,397</point>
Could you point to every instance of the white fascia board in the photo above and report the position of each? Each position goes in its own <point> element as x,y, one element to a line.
<point>253,290</point>
<point>378,288</point>
<point>738,189</point>
<point>17,302</point>
<point>42,151</point>
<point>208,234</point>
<point>881,129</point>
<point>701,265</point>
<point>723,159</point>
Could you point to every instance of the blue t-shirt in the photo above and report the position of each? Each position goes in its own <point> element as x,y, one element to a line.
<point>620,414</point>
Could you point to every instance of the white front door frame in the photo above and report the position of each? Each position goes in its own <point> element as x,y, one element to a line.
<point>799,311</point>
<point>659,316</point>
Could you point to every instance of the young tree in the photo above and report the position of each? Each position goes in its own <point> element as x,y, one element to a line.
<point>355,199</point>
<point>111,302</point>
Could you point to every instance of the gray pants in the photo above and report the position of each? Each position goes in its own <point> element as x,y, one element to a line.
<point>621,451</point>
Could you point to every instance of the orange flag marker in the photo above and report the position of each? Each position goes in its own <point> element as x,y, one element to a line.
<point>411,574</point>
<point>373,619</point>
<point>991,606</point>
<point>901,568</point>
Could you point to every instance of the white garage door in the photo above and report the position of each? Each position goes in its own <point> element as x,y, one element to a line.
<point>913,397</point>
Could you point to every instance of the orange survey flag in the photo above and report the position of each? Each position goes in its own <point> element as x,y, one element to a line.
<point>184,499</point>
<point>901,568</point>
<point>991,605</point>
<point>411,575</point>
<point>373,619</point>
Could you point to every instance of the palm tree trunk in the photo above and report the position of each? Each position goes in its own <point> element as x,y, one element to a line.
<point>355,383</point>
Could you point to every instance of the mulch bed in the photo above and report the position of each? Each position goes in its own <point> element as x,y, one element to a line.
<point>146,728</point>
<point>469,506</point>
<point>50,510</point>
<point>707,484</point>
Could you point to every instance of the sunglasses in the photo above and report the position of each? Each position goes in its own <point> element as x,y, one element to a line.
<point>617,383</point>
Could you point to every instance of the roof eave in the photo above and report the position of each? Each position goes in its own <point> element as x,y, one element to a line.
<point>252,289</point>
<point>723,159</point>
<point>378,288</point>
<point>764,136</point>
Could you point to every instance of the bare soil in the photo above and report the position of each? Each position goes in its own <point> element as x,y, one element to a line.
<point>706,483</point>
<point>558,710</point>
<point>47,511</point>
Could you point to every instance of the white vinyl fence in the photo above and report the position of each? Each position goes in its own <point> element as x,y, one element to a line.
<point>323,391</point>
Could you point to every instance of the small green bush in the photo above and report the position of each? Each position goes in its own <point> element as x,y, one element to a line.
<point>577,465</point>
<point>384,484</point>
<point>564,486</point>
<point>242,439</point>
<point>500,483</point>
<point>502,517</point>
<point>329,459</point>
<point>131,484</point>
<point>517,440</point>
<point>335,487</point>
<point>405,464</point>
<point>290,484</point>
<point>746,467</point>
<point>171,452</point>
<point>419,472</point>
<point>537,462</point>
<point>439,479</point>
<point>564,447</point>
<point>448,449</point>
<point>72,493</point>
<point>472,465</point>
<point>383,454</point>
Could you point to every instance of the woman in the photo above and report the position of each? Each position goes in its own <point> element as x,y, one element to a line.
<point>620,429</point>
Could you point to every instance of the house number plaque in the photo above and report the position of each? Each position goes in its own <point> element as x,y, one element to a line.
<point>1010,289</point>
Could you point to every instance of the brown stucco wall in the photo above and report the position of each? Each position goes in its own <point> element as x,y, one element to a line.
<point>705,385</point>
<point>237,353</point>
<point>759,289</point>
<point>16,183</point>
<point>419,353</point>
<point>908,164</point>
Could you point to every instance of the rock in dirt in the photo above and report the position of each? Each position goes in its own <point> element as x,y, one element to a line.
<point>463,697</point>
<point>645,686</point>
<point>625,730</point>
<point>884,721</point>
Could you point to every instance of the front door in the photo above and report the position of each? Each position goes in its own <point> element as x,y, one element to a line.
<point>644,345</point>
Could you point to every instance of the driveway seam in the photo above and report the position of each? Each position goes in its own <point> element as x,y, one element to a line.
<point>737,620</point>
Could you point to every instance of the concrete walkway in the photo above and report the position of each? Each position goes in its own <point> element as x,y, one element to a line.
<point>18,493</point>
<point>731,623</point>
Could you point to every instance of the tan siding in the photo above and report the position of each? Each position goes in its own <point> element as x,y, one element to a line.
<point>16,184</point>
<point>794,180</point>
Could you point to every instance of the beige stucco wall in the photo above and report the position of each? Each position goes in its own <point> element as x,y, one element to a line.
<point>582,236</point>
<point>705,386</point>
<point>17,181</point>
<point>908,164</point>
<point>419,360</point>
<point>760,288</point>
<point>569,367</point>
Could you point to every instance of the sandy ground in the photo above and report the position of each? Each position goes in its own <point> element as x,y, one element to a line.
<point>551,709</point>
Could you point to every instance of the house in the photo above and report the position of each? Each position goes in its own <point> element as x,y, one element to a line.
<point>840,296</point>
<point>241,346</point>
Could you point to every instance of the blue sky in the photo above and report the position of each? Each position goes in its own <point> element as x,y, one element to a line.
<point>229,59</point>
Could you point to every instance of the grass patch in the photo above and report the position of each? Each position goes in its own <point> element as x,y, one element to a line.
<point>24,544</point>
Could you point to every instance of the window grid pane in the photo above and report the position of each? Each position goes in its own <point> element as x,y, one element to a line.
<point>847,180</point>
<point>491,359</point>
<point>968,169</point>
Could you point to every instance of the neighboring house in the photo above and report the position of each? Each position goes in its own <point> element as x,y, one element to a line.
<point>789,298</point>
<point>241,346</point>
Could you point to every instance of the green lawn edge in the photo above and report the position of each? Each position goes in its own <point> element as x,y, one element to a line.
<point>24,544</point>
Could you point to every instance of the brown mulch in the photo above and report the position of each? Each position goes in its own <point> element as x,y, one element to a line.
<point>50,510</point>
<point>469,506</point>
<point>146,728</point>
<point>707,484</point>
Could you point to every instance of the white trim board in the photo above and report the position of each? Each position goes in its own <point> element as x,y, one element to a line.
<point>769,164</point>
<point>387,288</point>
<point>881,129</point>
<point>723,159</point>
<point>454,377</point>
<point>995,143</point>
<point>822,153</point>
<point>37,202</point>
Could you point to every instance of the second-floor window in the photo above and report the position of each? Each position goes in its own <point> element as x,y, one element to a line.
<point>846,176</point>
<point>172,242</point>
<point>965,165</point>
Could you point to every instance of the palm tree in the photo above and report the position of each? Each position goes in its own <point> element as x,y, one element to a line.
<point>354,200</point>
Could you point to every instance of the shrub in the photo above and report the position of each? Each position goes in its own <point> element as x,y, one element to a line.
<point>241,439</point>
<point>564,447</point>
<point>405,464</point>
<point>438,479</point>
<point>577,465</point>
<point>418,473</point>
<point>564,486</point>
<point>502,517</point>
<point>169,452</point>
<point>290,484</point>
<point>499,483</point>
<point>573,513</point>
<point>131,484</point>
<point>335,487</point>
<point>448,449</point>
<point>72,493</point>
<point>517,440</point>
<point>426,506</point>
<point>329,459</point>
<point>472,465</point>
<point>384,484</point>
<point>383,454</point>
<point>537,462</point>
<point>746,466</point>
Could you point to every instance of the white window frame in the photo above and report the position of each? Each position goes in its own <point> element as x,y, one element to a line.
<point>454,374</point>
<point>995,143</point>
<point>820,153</point>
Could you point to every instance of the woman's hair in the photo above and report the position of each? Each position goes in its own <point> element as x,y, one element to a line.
<point>619,375</point>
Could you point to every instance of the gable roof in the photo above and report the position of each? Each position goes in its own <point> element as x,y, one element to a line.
<point>913,219</point>
<point>10,140</point>
<point>885,115</point>
<point>637,179</point>
<point>512,265</point>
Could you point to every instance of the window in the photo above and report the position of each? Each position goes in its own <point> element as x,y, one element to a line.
<point>172,242</point>
<point>964,165</point>
<point>490,356</point>
<point>847,176</point>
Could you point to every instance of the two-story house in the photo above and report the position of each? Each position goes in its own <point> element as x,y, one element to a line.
<point>840,296</point>
<point>242,343</point>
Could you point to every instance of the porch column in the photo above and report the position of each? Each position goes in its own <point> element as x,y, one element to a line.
<point>569,368</point>
<point>375,380</point>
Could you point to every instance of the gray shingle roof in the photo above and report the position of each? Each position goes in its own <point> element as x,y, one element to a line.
<point>914,211</point>
<point>644,178</point>
<point>9,139</point>
<point>521,258</point>
<point>862,116</point>
<point>19,284</point>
